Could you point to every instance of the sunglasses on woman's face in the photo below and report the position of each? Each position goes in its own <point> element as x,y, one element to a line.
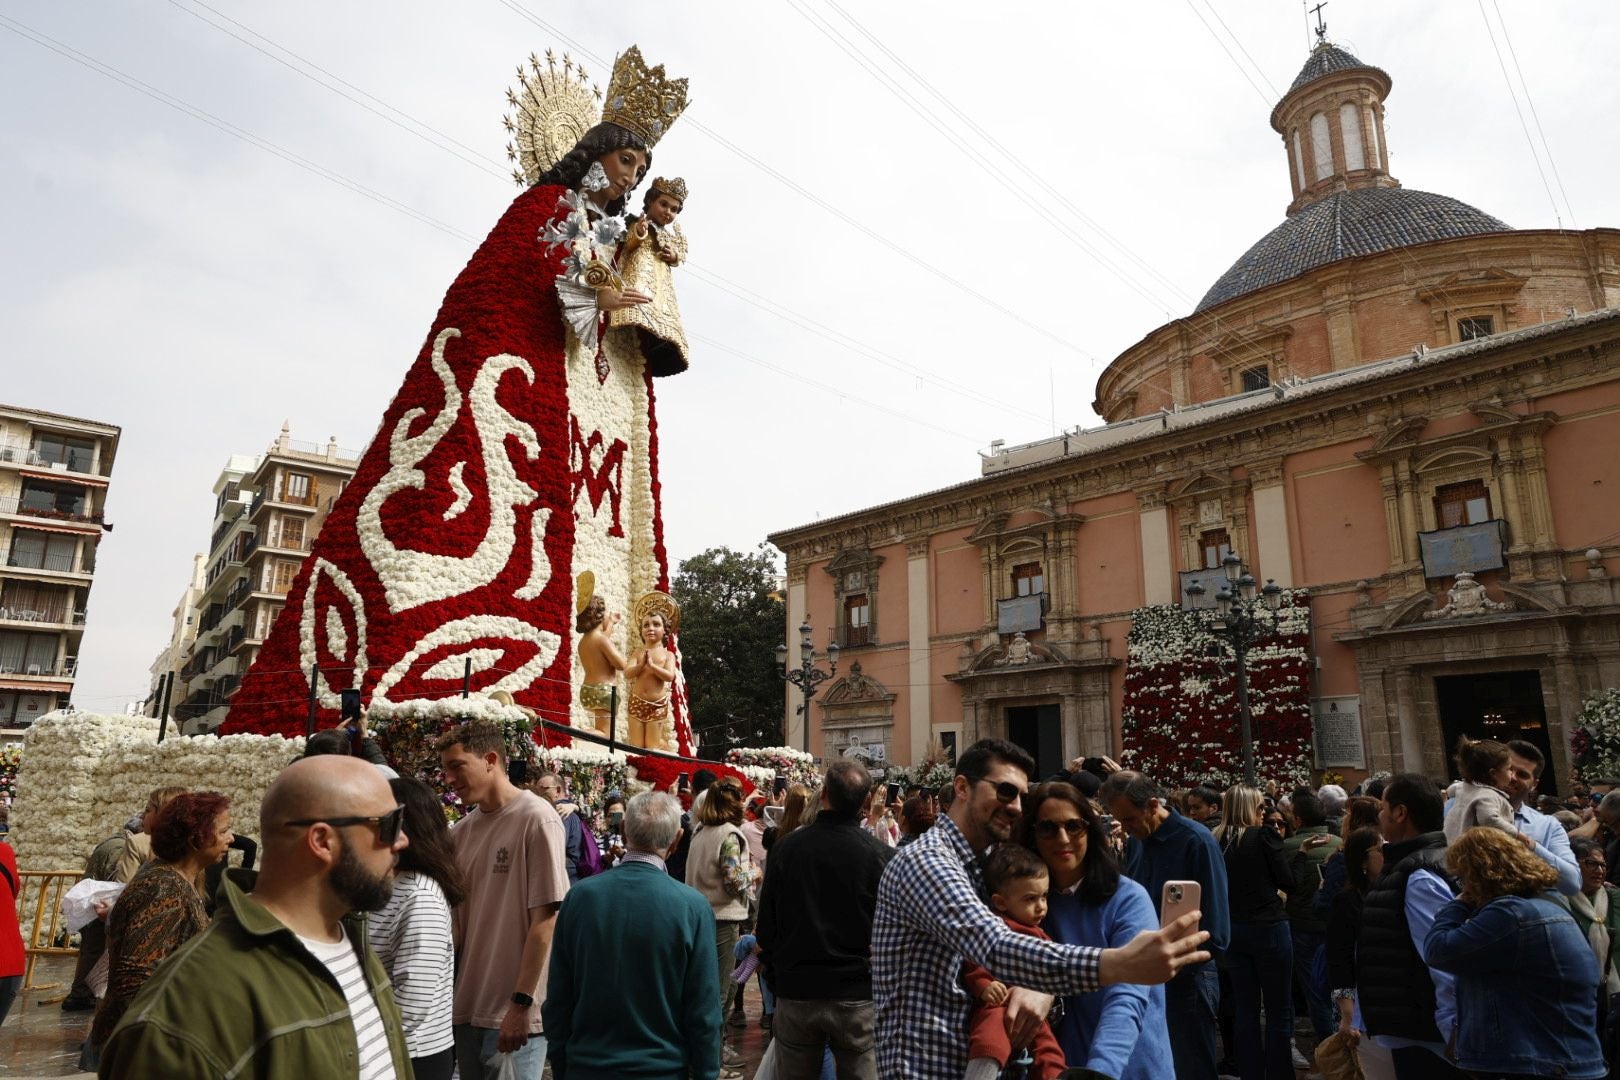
<point>1048,829</point>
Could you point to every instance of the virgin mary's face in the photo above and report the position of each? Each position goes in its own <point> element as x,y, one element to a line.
<point>622,167</point>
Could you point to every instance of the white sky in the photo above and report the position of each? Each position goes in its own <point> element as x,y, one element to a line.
<point>163,275</point>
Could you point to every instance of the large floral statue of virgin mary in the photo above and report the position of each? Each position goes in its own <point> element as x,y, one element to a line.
<point>521,451</point>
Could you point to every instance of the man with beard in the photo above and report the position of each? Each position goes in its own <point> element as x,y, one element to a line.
<point>509,848</point>
<point>281,984</point>
<point>931,916</point>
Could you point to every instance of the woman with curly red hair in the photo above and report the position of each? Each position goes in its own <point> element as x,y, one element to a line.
<point>161,907</point>
<point>1526,977</point>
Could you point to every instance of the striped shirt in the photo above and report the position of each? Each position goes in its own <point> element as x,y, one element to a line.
<point>930,918</point>
<point>371,1037</point>
<point>411,936</point>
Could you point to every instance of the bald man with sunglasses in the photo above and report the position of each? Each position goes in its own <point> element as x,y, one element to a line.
<point>281,986</point>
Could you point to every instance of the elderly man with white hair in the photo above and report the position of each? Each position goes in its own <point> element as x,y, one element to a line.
<point>634,989</point>
<point>1333,799</point>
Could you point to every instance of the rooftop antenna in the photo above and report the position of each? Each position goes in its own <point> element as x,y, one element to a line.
<point>1321,24</point>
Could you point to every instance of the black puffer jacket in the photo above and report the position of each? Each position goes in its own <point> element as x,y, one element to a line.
<point>1393,984</point>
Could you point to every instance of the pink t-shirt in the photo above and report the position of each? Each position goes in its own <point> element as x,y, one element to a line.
<point>512,861</point>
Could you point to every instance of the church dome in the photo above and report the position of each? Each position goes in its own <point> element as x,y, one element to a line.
<point>1346,224</point>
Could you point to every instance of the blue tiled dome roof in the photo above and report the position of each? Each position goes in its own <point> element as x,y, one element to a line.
<point>1325,60</point>
<point>1344,225</point>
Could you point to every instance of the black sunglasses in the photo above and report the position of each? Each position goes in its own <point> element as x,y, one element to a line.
<point>1006,791</point>
<point>1048,829</point>
<point>388,825</point>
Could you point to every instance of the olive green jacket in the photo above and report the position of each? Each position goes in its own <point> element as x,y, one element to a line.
<point>1306,866</point>
<point>244,998</point>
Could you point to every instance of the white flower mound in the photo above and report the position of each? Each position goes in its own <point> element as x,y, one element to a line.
<point>83,775</point>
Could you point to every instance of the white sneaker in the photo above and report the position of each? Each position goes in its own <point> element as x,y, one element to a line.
<point>1299,1058</point>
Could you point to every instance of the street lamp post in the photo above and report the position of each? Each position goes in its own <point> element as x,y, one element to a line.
<point>807,676</point>
<point>1241,619</point>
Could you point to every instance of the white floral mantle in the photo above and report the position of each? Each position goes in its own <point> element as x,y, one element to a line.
<point>84,775</point>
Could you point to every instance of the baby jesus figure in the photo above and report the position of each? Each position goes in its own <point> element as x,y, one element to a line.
<point>600,659</point>
<point>652,246</point>
<point>653,669</point>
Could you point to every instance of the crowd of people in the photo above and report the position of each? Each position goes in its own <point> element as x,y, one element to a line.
<point>1092,924</point>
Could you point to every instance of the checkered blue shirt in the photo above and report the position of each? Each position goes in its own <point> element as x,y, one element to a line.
<point>930,919</point>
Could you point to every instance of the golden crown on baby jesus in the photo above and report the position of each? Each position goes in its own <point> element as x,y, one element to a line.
<point>675,188</point>
<point>643,100</point>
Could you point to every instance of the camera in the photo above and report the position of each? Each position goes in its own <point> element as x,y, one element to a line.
<point>1173,893</point>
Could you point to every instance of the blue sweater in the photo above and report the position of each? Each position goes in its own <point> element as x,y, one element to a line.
<point>1120,1030</point>
<point>1183,850</point>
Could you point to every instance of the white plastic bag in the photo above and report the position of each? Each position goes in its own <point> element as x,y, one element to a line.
<point>767,1064</point>
<point>79,902</point>
<point>505,1067</point>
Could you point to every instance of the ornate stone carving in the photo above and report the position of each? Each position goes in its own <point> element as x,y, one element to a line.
<point>1467,598</point>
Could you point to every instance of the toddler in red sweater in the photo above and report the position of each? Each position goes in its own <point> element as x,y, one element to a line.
<point>1017,880</point>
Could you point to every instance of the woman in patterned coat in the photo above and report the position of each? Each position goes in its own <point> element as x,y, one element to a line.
<point>161,908</point>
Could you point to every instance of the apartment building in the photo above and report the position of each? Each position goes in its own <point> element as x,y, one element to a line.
<point>54,475</point>
<point>267,511</point>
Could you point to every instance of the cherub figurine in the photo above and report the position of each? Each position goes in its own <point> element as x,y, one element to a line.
<point>653,669</point>
<point>652,246</point>
<point>598,655</point>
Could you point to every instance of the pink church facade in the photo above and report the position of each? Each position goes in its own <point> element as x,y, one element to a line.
<point>1389,390</point>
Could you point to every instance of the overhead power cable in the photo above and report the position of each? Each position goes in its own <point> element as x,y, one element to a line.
<point>1531,103</point>
<point>811,197</point>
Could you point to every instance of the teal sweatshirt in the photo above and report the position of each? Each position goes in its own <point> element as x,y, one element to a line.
<point>634,989</point>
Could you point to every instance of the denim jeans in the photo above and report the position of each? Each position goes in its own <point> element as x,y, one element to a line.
<point>475,1054</point>
<point>1260,959</point>
<point>1323,1020</point>
<point>1191,1003</point>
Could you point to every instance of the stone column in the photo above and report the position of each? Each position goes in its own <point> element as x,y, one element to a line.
<point>1561,720</point>
<point>918,627</point>
<point>1407,719</point>
<point>792,721</point>
<point>1158,585</point>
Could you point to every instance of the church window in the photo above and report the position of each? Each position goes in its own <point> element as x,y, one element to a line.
<point>1028,579</point>
<point>1477,327</point>
<point>1256,378</point>
<point>1467,503</point>
<point>1350,132</point>
<point>1321,146</point>
<point>1215,545</point>
<point>857,620</point>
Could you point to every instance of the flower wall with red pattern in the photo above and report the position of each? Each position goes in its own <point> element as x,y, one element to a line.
<point>451,550</point>
<point>1180,716</point>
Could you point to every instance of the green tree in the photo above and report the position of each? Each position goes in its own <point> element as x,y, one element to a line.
<point>731,622</point>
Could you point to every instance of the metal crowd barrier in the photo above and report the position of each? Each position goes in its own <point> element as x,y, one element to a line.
<point>39,913</point>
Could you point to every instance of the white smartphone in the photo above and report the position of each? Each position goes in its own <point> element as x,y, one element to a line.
<point>1178,899</point>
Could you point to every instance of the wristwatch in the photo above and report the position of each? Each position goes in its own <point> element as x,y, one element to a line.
<point>521,1000</point>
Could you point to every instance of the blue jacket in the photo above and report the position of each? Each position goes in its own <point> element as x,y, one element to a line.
<point>1120,1030</point>
<point>1526,987</point>
<point>1183,850</point>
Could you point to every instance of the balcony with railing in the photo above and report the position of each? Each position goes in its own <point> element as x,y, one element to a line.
<point>59,458</point>
<point>239,592</point>
<point>54,615</point>
<point>17,666</point>
<point>59,563</point>
<point>234,639</point>
<point>853,637</point>
<point>24,507</point>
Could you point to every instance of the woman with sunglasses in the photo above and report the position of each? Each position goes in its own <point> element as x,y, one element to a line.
<point>1119,1031</point>
<point>411,934</point>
